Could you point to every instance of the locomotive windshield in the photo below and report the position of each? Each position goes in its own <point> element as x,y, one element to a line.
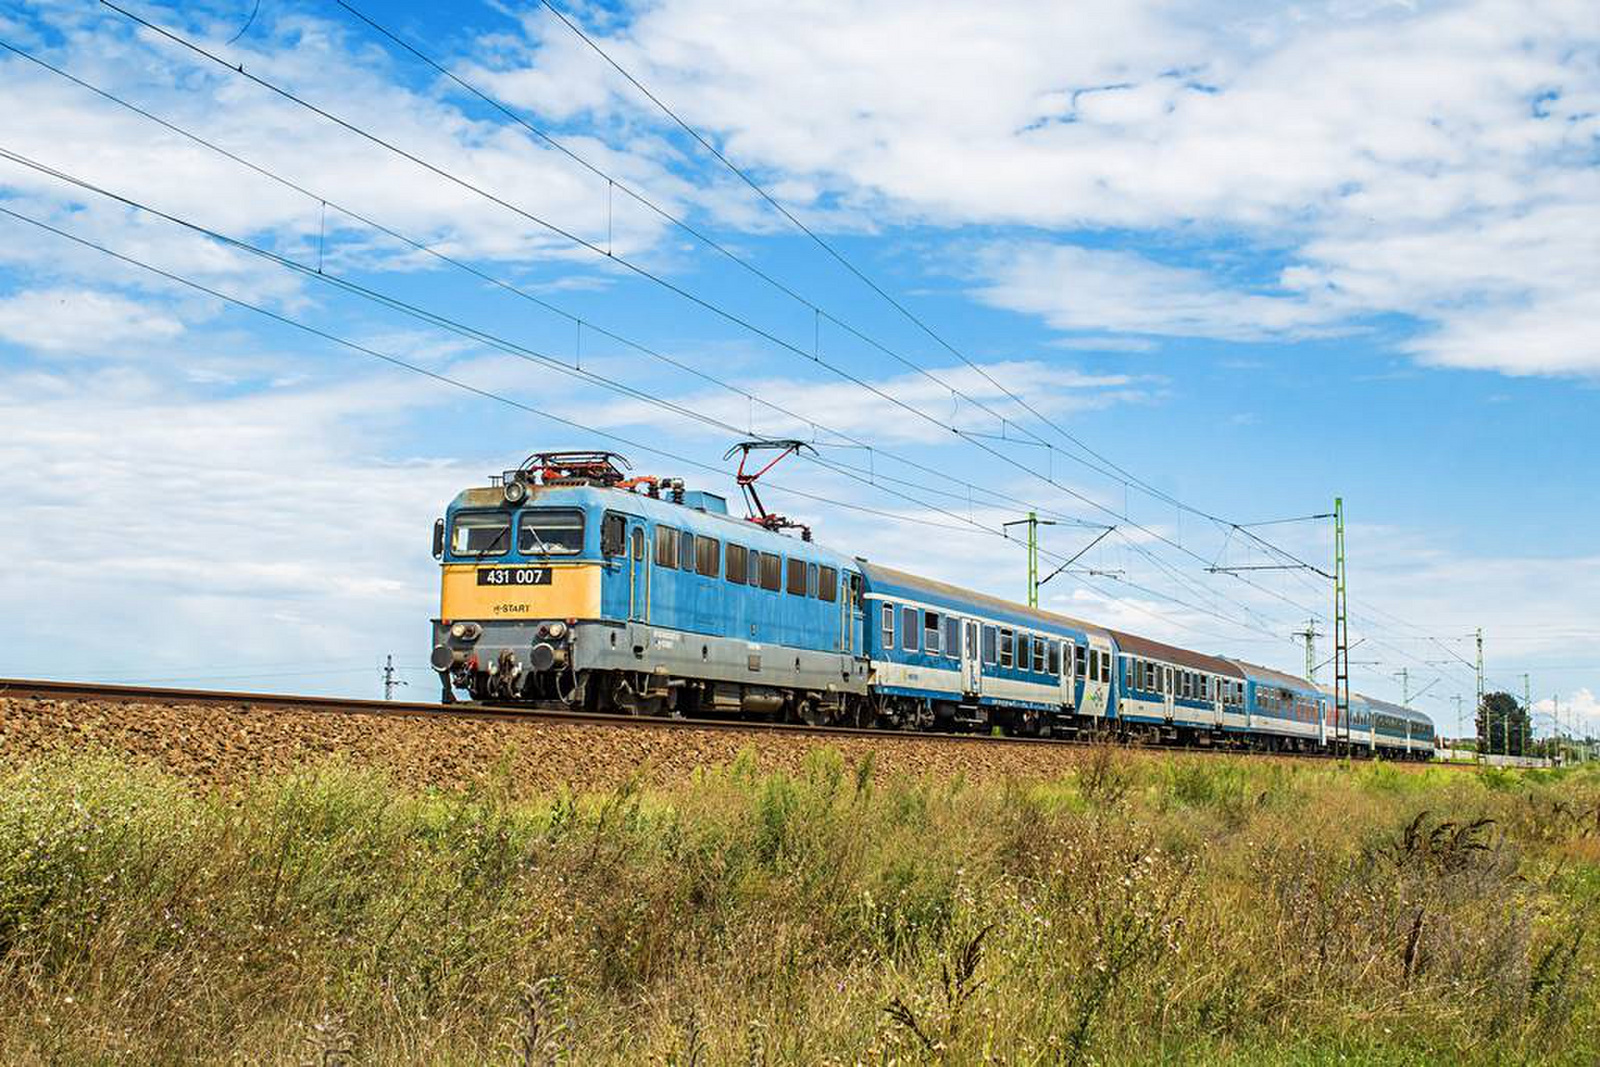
<point>550,531</point>
<point>481,533</point>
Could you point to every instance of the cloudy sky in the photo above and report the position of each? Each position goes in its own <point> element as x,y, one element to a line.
<point>1163,267</point>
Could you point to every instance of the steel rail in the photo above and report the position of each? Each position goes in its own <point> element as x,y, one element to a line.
<point>30,688</point>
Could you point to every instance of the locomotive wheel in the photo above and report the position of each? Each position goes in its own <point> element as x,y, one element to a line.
<point>627,700</point>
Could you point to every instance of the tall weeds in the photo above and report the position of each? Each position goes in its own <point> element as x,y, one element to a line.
<point>1137,908</point>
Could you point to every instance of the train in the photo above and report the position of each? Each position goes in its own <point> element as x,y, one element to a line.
<point>567,581</point>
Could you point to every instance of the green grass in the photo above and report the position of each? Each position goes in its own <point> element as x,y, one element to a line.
<point>1139,909</point>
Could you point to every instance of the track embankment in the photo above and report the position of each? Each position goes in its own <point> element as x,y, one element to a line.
<point>231,743</point>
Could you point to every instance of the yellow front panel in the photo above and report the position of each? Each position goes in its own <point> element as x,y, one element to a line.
<point>573,593</point>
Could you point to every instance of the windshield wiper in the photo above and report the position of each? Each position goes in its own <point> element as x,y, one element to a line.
<point>490,547</point>
<point>544,546</point>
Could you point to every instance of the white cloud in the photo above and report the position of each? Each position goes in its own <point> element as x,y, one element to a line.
<point>1075,289</point>
<point>82,321</point>
<point>810,409</point>
<point>1434,161</point>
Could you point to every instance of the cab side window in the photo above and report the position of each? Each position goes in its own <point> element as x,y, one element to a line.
<point>613,535</point>
<point>666,547</point>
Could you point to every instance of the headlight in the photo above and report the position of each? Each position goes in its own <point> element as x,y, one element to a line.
<point>515,491</point>
<point>458,631</point>
<point>557,629</point>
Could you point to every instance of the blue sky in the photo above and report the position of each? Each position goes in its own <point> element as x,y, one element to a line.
<point>1255,257</point>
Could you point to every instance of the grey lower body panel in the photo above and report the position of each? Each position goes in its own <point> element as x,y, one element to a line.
<point>642,647</point>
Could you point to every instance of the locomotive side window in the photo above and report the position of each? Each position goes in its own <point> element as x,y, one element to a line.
<point>613,535</point>
<point>738,562</point>
<point>828,584</point>
<point>638,544</point>
<point>930,632</point>
<point>989,645</point>
<point>550,532</point>
<point>811,580</point>
<point>666,547</point>
<point>771,571</point>
<point>686,551</point>
<point>707,555</point>
<point>797,577</point>
<point>483,533</point>
<point>755,568</point>
<point>908,629</point>
<point>888,626</point>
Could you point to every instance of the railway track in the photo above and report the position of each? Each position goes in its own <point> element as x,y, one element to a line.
<point>26,688</point>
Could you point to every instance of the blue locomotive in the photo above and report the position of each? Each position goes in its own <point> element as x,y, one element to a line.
<point>565,580</point>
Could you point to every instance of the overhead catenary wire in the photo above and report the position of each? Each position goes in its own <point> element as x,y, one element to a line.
<point>581,321</point>
<point>1139,548</point>
<point>651,276</point>
<point>288,263</point>
<point>492,395</point>
<point>1128,479</point>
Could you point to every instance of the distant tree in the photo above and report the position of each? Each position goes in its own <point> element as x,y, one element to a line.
<point>1503,726</point>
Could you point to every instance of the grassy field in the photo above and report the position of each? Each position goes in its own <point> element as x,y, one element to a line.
<point>1139,909</point>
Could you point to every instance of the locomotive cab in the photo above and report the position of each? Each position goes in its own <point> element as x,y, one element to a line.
<point>521,566</point>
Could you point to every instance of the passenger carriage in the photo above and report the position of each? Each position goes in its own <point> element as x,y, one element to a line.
<point>941,653</point>
<point>1285,712</point>
<point>1171,693</point>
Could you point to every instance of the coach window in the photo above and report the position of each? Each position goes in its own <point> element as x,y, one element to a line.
<point>666,547</point>
<point>930,632</point>
<point>613,535</point>
<point>1038,655</point>
<point>1007,648</point>
<point>550,532</point>
<point>771,572</point>
<point>706,551</point>
<point>989,645</point>
<point>908,629</point>
<point>1082,658</point>
<point>828,584</point>
<point>888,626</point>
<point>952,636</point>
<point>480,533</point>
<point>737,560</point>
<point>1055,658</point>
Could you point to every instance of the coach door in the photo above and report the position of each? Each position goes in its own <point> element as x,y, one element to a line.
<point>1097,678</point>
<point>1069,692</point>
<point>971,675</point>
<point>1166,691</point>
<point>638,572</point>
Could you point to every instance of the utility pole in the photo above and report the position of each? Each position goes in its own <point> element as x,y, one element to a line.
<point>390,680</point>
<point>1309,635</point>
<point>1527,709</point>
<point>1032,522</point>
<point>1341,628</point>
<point>1488,727</point>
